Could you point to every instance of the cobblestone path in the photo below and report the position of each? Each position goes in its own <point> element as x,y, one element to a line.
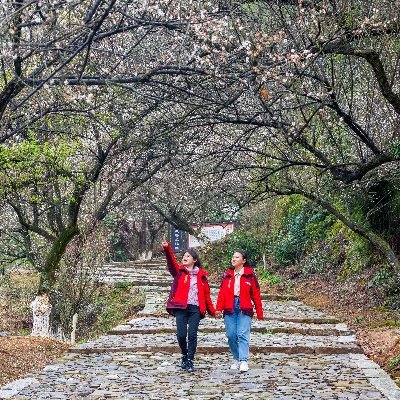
<point>296,353</point>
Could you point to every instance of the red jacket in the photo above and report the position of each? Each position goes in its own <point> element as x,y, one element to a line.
<point>179,293</point>
<point>249,293</point>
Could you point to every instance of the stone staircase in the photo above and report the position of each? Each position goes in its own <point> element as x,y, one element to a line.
<point>297,352</point>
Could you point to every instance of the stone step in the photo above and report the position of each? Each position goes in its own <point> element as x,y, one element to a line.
<point>270,330</point>
<point>141,282</point>
<point>134,271</point>
<point>152,260</point>
<point>211,343</point>
<point>288,310</point>
<point>136,264</point>
<point>135,267</point>
<point>292,309</point>
<point>138,277</point>
<point>144,285</point>
<point>149,376</point>
<point>161,290</point>
<point>146,322</point>
<point>167,324</point>
<point>134,282</point>
<point>163,313</point>
<point>164,280</point>
<point>278,297</point>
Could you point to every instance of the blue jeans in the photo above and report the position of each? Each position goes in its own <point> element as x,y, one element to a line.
<point>237,326</point>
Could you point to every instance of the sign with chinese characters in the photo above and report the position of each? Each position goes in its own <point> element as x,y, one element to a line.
<point>177,239</point>
<point>212,232</point>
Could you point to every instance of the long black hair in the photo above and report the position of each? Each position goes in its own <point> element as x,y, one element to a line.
<point>195,255</point>
<point>244,255</point>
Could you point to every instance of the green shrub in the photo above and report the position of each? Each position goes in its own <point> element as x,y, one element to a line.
<point>388,281</point>
<point>291,231</point>
<point>394,363</point>
<point>302,224</point>
<point>271,278</point>
<point>216,257</point>
<point>110,307</point>
<point>17,291</point>
<point>123,285</point>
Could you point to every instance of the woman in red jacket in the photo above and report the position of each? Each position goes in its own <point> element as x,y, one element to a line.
<point>188,301</point>
<point>238,293</point>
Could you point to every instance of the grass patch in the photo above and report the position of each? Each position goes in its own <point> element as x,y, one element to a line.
<point>17,291</point>
<point>394,363</point>
<point>269,277</point>
<point>111,306</point>
<point>393,323</point>
<point>267,333</point>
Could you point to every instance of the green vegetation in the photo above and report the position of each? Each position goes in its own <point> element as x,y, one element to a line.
<point>394,363</point>
<point>296,234</point>
<point>33,162</point>
<point>271,278</point>
<point>16,293</point>
<point>111,306</point>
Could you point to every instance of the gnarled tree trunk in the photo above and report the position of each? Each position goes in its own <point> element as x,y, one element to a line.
<point>41,307</point>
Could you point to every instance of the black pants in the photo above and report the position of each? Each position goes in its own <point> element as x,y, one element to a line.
<point>187,324</point>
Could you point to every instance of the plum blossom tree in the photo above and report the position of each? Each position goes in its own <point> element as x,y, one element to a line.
<point>310,89</point>
<point>238,99</point>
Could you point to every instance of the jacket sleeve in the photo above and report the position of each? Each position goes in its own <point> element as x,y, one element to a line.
<point>172,264</point>
<point>256,297</point>
<point>207,297</point>
<point>220,300</point>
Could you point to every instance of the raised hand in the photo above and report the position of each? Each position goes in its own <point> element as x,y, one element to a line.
<point>164,243</point>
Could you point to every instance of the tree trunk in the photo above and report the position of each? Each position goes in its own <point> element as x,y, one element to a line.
<point>265,264</point>
<point>54,256</point>
<point>41,307</point>
<point>376,240</point>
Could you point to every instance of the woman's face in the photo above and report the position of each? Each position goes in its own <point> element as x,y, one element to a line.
<point>237,260</point>
<point>188,260</point>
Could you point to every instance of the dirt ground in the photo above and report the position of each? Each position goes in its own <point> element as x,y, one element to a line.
<point>377,328</point>
<point>20,355</point>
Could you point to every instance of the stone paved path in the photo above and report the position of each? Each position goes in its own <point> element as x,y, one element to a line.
<point>296,353</point>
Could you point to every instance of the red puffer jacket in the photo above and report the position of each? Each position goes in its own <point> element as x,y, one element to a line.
<point>249,293</point>
<point>179,293</point>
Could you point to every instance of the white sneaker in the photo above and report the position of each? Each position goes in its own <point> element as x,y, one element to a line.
<point>235,365</point>
<point>244,367</point>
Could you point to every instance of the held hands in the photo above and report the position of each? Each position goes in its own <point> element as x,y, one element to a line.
<point>218,314</point>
